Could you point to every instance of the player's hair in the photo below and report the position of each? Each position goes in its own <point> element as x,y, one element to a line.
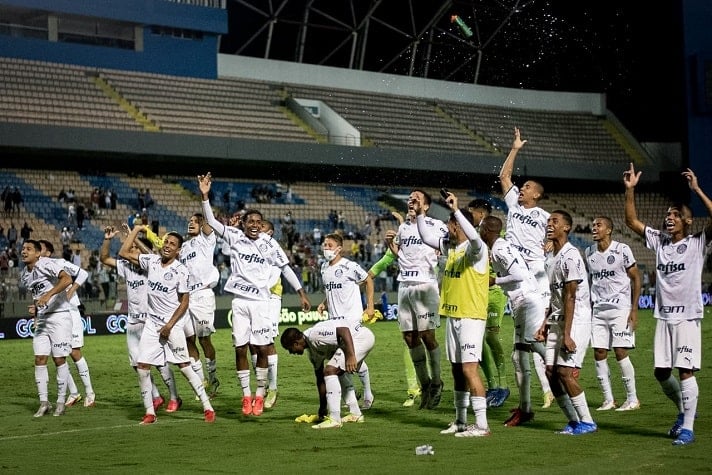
<point>426,197</point>
<point>176,235</point>
<point>35,244</point>
<point>48,245</point>
<point>249,212</point>
<point>269,224</point>
<point>335,237</point>
<point>539,187</point>
<point>466,213</point>
<point>681,207</point>
<point>567,217</point>
<point>479,203</point>
<point>289,336</point>
<point>200,216</point>
<point>607,220</point>
<point>492,224</point>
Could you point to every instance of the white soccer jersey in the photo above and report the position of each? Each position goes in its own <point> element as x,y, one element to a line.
<point>568,266</point>
<point>164,285</point>
<point>610,284</point>
<point>136,286</point>
<point>251,264</point>
<point>322,341</point>
<point>197,255</point>
<point>678,272</point>
<point>40,280</point>
<point>526,227</point>
<point>341,286</point>
<point>417,261</point>
<point>507,262</point>
<point>73,270</point>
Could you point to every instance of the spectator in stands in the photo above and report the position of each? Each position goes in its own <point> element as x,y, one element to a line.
<point>141,198</point>
<point>71,214</point>
<point>7,200</point>
<point>70,196</point>
<point>333,219</point>
<point>65,236</point>
<point>107,199</point>
<point>114,199</point>
<point>16,200</point>
<point>62,196</point>
<point>77,258</point>
<point>4,264</point>
<point>341,221</point>
<point>25,232</point>
<point>95,200</point>
<point>12,235</point>
<point>81,211</point>
<point>148,198</point>
<point>288,229</point>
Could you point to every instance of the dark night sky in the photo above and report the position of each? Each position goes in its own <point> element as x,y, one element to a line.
<point>633,53</point>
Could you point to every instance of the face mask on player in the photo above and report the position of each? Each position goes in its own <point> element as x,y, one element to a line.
<point>330,254</point>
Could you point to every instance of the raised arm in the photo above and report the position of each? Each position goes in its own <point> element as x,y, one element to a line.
<point>505,173</point>
<point>125,250</point>
<point>630,179</point>
<point>694,186</point>
<point>204,183</point>
<point>104,256</point>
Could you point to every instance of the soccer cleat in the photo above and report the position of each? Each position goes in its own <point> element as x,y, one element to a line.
<point>412,395</point>
<point>310,418</point>
<point>490,396</point>
<point>436,392</point>
<point>353,418</point>
<point>45,407</point>
<point>209,415</point>
<point>246,405</point>
<point>59,410</point>
<point>148,419</point>
<point>454,428</point>
<point>677,426</point>
<point>607,406</point>
<point>271,398</point>
<point>174,405</point>
<point>473,431</point>
<point>328,423</point>
<point>424,396</point>
<point>73,399</point>
<point>258,406</point>
<point>686,437</point>
<point>629,406</point>
<point>569,428</point>
<point>367,403</point>
<point>583,428</point>
<point>501,395</point>
<point>548,399</point>
<point>214,385</point>
<point>518,417</point>
<point>158,402</point>
<point>89,401</point>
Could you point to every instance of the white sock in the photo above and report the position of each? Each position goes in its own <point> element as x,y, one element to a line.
<point>144,383</point>
<point>628,376</point>
<point>83,370</point>
<point>333,396</point>
<point>197,366</point>
<point>349,394</point>
<point>42,380</point>
<point>603,375</point>
<point>690,393</point>
<point>434,364</point>
<point>581,407</point>
<point>272,361</point>
<point>197,384</point>
<point>71,385</point>
<point>167,376</point>
<point>154,390</point>
<point>462,402</point>
<point>564,402</point>
<point>479,407</point>
<point>365,377</point>
<point>261,376</point>
<point>420,364</point>
<point>62,376</point>
<point>243,379</point>
<point>523,375</point>
<point>540,369</point>
<point>672,390</point>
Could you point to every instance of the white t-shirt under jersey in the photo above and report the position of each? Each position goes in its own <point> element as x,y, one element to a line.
<point>568,266</point>
<point>526,227</point>
<point>678,272</point>
<point>608,270</point>
<point>417,261</point>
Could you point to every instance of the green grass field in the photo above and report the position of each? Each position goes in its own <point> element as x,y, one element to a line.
<point>108,439</point>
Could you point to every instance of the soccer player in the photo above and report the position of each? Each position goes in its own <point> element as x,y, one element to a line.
<point>136,295</point>
<point>197,255</point>
<point>418,296</point>
<point>334,349</point>
<point>526,230</point>
<point>492,353</point>
<point>615,289</point>
<point>163,337</point>
<point>342,279</point>
<point>513,276</point>
<point>252,256</point>
<point>568,325</point>
<point>79,276</point>
<point>48,281</point>
<point>463,300</point>
<point>679,258</point>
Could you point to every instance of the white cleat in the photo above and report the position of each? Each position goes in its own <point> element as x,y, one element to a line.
<point>629,406</point>
<point>45,407</point>
<point>607,406</point>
